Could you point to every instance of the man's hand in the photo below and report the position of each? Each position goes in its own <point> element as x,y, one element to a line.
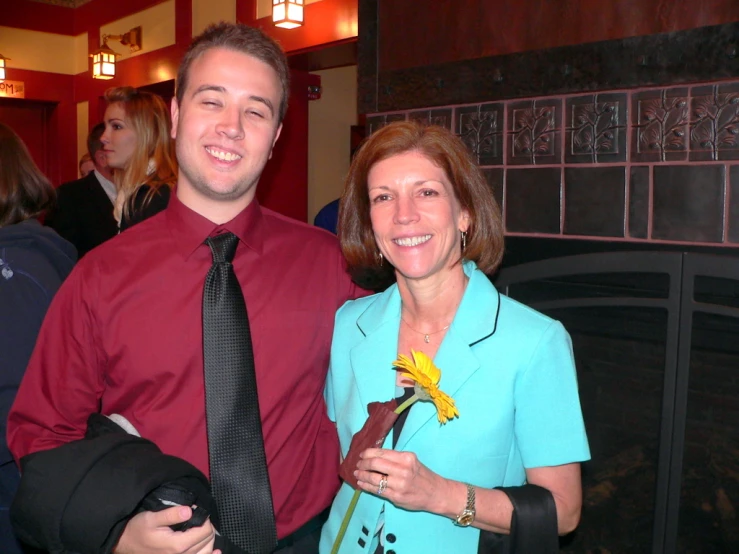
<point>149,533</point>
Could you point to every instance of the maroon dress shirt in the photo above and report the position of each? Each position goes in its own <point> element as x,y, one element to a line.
<point>124,335</point>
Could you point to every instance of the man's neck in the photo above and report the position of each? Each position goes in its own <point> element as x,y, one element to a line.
<point>217,211</point>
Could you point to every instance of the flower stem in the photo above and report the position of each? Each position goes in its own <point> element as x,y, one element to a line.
<point>345,521</point>
<point>407,404</point>
<point>355,498</point>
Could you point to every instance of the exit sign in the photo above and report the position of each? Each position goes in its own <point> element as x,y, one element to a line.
<point>12,89</point>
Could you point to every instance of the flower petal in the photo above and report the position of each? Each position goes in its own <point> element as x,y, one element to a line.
<point>427,376</point>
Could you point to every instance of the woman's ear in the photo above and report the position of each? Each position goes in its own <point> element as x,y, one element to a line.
<point>464,221</point>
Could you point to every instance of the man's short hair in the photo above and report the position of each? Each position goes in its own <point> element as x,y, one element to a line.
<point>93,140</point>
<point>239,38</point>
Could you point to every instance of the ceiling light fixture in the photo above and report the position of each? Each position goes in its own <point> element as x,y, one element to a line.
<point>287,14</point>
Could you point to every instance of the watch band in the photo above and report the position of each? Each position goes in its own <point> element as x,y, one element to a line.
<point>467,516</point>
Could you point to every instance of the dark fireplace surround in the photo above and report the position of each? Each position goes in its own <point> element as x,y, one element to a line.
<point>616,165</point>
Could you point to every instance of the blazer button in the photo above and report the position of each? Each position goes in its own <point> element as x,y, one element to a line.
<point>390,538</point>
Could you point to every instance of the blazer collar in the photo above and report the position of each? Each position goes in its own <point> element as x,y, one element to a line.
<point>371,359</point>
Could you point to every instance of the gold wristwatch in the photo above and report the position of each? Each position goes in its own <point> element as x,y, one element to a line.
<point>467,516</point>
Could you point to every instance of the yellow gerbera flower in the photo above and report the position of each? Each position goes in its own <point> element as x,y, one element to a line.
<point>427,376</point>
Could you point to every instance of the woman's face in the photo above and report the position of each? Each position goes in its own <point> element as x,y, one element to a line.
<point>416,218</point>
<point>119,139</point>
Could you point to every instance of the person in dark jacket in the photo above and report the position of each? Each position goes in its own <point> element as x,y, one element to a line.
<point>84,208</point>
<point>34,260</point>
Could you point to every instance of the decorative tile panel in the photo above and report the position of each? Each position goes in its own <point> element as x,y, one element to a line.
<point>595,128</point>
<point>594,201</point>
<point>714,126</point>
<point>688,202</point>
<point>494,177</point>
<point>644,165</point>
<point>733,222</point>
<point>639,202</point>
<point>660,125</point>
<point>378,121</point>
<point>442,118</point>
<point>532,200</point>
<point>534,132</point>
<point>481,129</point>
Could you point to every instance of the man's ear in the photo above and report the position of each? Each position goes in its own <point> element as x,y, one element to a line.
<point>175,110</point>
<point>277,135</point>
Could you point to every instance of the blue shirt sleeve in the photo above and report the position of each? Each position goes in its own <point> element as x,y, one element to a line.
<point>549,425</point>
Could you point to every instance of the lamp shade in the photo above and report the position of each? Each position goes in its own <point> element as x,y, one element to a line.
<point>103,62</point>
<point>3,59</point>
<point>287,14</point>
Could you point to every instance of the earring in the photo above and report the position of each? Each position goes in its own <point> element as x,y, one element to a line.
<point>379,258</point>
<point>464,241</point>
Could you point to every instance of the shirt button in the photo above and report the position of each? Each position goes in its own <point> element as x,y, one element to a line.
<point>390,538</point>
<point>390,552</point>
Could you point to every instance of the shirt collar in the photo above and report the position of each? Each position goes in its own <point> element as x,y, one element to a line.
<point>108,186</point>
<point>189,229</point>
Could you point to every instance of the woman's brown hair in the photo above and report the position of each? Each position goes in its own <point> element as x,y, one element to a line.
<point>448,152</point>
<point>148,116</point>
<point>25,192</point>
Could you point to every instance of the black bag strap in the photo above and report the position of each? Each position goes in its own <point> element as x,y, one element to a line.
<point>533,524</point>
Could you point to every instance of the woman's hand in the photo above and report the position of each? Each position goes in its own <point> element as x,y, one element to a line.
<point>409,484</point>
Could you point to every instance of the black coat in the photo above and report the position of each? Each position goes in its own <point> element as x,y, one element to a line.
<point>78,497</point>
<point>84,214</point>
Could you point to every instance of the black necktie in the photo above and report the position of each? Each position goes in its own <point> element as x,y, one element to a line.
<point>238,466</point>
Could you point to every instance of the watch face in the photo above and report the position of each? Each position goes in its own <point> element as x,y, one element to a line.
<point>466,518</point>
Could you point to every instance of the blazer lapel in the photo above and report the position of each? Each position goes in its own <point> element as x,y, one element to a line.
<point>372,358</point>
<point>476,320</point>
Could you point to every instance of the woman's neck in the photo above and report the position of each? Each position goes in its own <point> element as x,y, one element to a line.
<point>430,304</point>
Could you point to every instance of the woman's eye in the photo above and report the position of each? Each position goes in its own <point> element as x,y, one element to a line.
<point>428,192</point>
<point>380,198</point>
<point>256,114</point>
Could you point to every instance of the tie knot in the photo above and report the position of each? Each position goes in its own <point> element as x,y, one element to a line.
<point>223,247</point>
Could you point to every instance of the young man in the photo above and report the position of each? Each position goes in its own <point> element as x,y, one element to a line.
<point>84,211</point>
<point>125,333</point>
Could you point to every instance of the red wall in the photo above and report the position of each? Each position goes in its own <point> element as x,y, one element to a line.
<point>411,35</point>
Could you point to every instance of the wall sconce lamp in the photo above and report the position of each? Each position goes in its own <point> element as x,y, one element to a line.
<point>287,14</point>
<point>103,59</point>
<point>3,59</point>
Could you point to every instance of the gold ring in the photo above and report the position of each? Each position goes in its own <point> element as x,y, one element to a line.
<point>383,485</point>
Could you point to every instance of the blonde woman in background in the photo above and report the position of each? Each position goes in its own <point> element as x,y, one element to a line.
<point>138,146</point>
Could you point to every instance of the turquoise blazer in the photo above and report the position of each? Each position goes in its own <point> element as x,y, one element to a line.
<point>511,372</point>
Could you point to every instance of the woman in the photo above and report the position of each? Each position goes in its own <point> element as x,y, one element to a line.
<point>34,261</point>
<point>138,147</point>
<point>416,208</point>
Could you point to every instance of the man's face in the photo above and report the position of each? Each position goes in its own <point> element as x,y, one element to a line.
<point>86,167</point>
<point>225,127</point>
<point>101,160</point>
